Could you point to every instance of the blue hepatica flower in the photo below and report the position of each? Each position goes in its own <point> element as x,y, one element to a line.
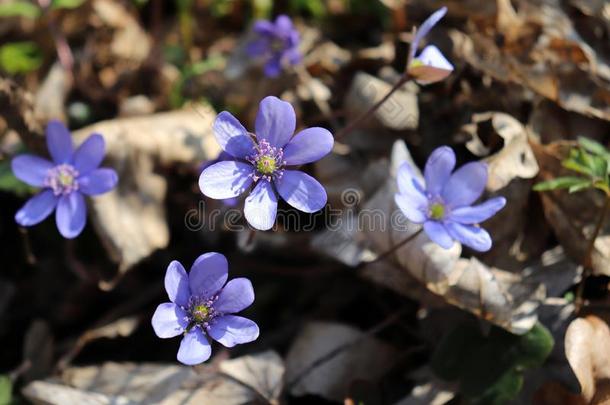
<point>444,205</point>
<point>263,159</point>
<point>202,305</point>
<point>64,181</point>
<point>430,65</point>
<point>276,43</point>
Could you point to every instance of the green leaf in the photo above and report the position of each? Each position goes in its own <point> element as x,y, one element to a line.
<point>593,147</point>
<point>504,390</point>
<point>489,368</point>
<point>578,161</point>
<point>20,57</point>
<point>19,9</point>
<point>262,8</point>
<point>6,390</point>
<point>581,186</point>
<point>316,8</point>
<point>535,346</point>
<point>451,353</point>
<point>67,3</point>
<point>10,183</point>
<point>561,182</point>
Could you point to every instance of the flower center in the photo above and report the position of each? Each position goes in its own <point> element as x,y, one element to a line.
<point>277,45</point>
<point>268,161</point>
<point>62,179</point>
<point>437,211</point>
<point>201,311</point>
<point>266,164</point>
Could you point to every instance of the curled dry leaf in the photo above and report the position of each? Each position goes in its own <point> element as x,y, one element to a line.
<point>364,357</point>
<point>572,216</point>
<point>131,218</point>
<point>248,379</point>
<point>503,142</point>
<point>587,347</point>
<point>501,297</point>
<point>540,50</point>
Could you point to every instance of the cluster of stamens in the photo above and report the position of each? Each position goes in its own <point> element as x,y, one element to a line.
<point>268,161</point>
<point>201,312</point>
<point>436,211</point>
<point>62,179</point>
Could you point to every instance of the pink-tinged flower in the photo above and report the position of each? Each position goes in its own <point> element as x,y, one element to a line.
<point>430,65</point>
<point>65,180</point>
<point>202,304</point>
<point>276,43</point>
<point>444,203</point>
<point>263,160</point>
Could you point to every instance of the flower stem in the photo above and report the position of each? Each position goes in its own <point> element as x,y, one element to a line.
<point>363,117</point>
<point>587,261</point>
<point>394,248</point>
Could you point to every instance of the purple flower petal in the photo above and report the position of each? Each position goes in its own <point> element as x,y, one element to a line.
<point>283,25</point>
<point>37,208</point>
<point>260,207</point>
<point>477,213</point>
<point>438,169</point>
<point>97,182</point>
<point>258,47</point>
<point>237,295</point>
<point>194,348</point>
<point>208,274</point>
<point>275,121</point>
<point>410,187</point>
<point>465,185</point>
<point>169,320</point>
<point>273,67</point>
<point>226,179</point>
<point>301,191</point>
<point>293,55</point>
<point>307,146</point>
<point>437,233</point>
<point>71,215</point>
<point>232,136</point>
<point>263,27</point>
<point>430,66</point>
<point>31,169</point>
<point>425,28</point>
<point>472,236</point>
<point>231,330</point>
<point>410,208</point>
<point>177,284</point>
<point>89,154</point>
<point>59,142</point>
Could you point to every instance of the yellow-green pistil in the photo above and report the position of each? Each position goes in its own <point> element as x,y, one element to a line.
<point>65,179</point>
<point>437,211</point>
<point>266,165</point>
<point>200,313</point>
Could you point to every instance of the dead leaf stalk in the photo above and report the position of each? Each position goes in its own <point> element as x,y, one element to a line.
<point>367,114</point>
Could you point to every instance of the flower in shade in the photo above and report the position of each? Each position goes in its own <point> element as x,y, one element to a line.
<point>276,43</point>
<point>71,175</point>
<point>202,304</point>
<point>430,65</point>
<point>444,204</point>
<point>262,160</point>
